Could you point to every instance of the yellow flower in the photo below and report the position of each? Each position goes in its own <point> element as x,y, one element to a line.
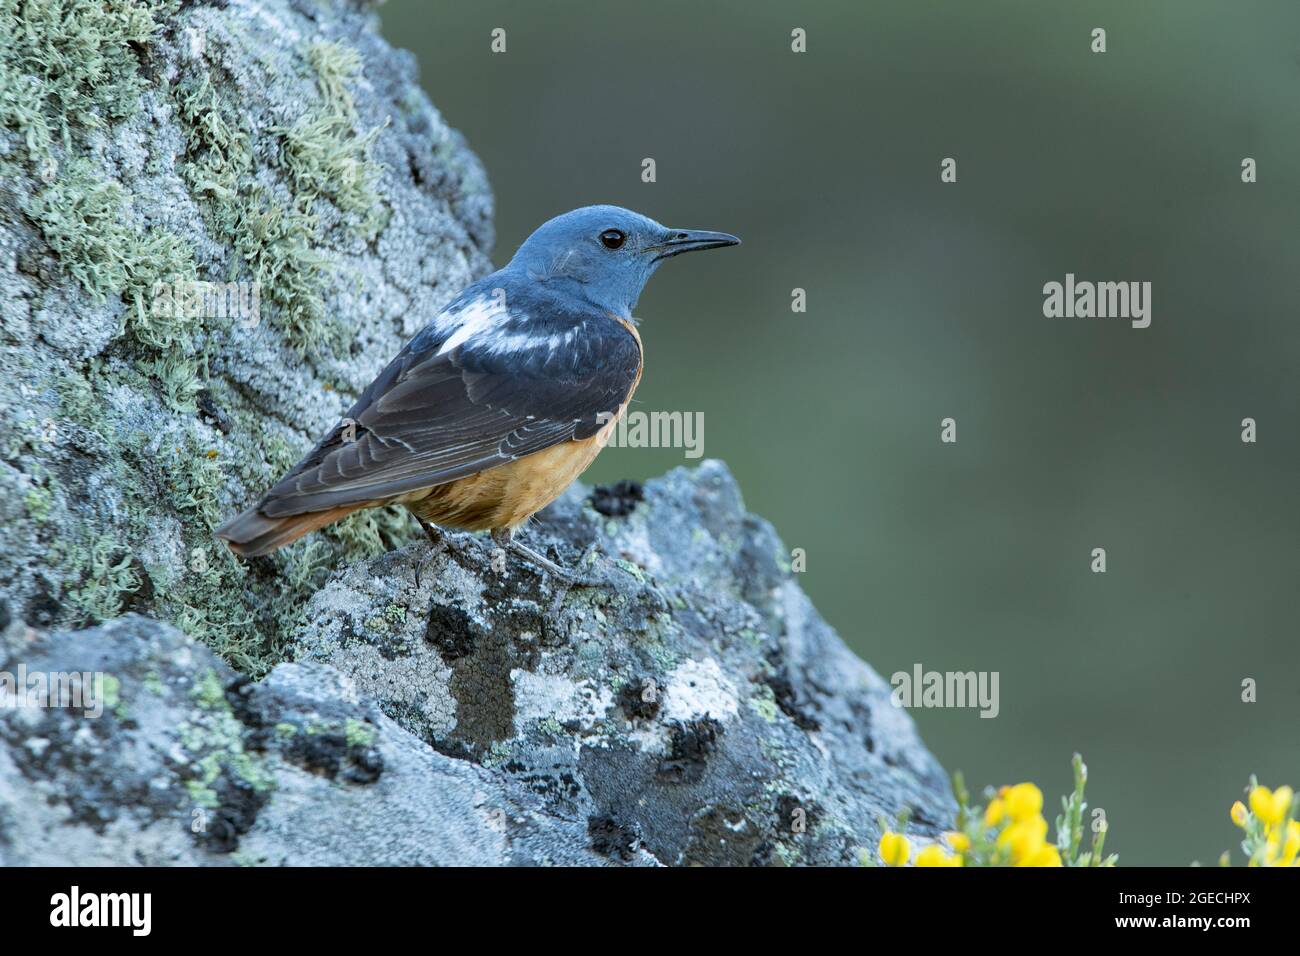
<point>1045,855</point>
<point>1271,806</point>
<point>894,849</point>
<point>958,841</point>
<point>994,813</point>
<point>1023,838</point>
<point>1238,813</point>
<point>935,855</point>
<point>1023,801</point>
<point>1291,848</point>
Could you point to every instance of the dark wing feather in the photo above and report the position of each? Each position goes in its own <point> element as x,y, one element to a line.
<point>431,418</point>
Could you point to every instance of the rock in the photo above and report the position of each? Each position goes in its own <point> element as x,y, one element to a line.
<point>688,707</point>
<point>277,145</point>
<point>192,764</point>
<point>692,705</point>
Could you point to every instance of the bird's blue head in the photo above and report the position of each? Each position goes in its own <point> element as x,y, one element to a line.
<point>606,254</point>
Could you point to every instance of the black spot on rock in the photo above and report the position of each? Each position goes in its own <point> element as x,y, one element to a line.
<point>142,598</point>
<point>330,754</point>
<point>636,703</point>
<point>239,805</point>
<point>618,500</point>
<point>5,616</point>
<point>366,766</point>
<point>558,786</point>
<point>451,631</point>
<point>239,695</point>
<point>42,611</point>
<point>211,412</point>
<point>484,692</point>
<point>786,697</point>
<point>320,753</point>
<point>692,743</point>
<point>609,838</point>
<point>722,835</point>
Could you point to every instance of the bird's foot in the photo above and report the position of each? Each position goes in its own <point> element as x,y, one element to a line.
<point>567,578</point>
<point>437,544</point>
<point>436,538</point>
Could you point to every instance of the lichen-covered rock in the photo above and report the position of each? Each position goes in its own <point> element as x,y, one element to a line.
<point>217,223</point>
<point>188,763</point>
<point>690,704</point>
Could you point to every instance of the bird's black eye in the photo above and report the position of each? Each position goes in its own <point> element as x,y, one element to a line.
<point>612,238</point>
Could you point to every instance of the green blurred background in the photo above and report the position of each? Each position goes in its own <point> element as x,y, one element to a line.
<point>925,301</point>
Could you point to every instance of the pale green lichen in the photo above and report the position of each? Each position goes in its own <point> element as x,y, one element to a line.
<point>358,733</point>
<point>631,569</point>
<point>112,691</point>
<point>500,753</point>
<point>69,66</point>
<point>108,576</point>
<point>388,621</point>
<point>763,703</point>
<point>322,156</point>
<point>179,380</point>
<point>549,728</point>
<point>277,244</point>
<point>365,534</point>
<point>38,501</point>
<point>84,219</point>
<point>207,690</point>
<point>201,795</point>
<point>323,153</point>
<point>214,740</point>
<point>66,63</point>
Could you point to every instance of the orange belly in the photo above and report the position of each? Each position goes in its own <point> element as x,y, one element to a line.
<point>508,495</point>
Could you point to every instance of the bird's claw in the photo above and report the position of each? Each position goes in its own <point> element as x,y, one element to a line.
<point>568,578</point>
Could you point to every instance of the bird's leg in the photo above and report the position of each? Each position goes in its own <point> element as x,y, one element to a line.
<point>431,532</point>
<point>505,539</point>
<point>437,542</point>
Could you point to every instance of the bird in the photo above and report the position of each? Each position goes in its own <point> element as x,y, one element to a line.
<point>499,402</point>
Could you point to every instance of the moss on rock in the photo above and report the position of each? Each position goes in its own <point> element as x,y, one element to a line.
<point>157,158</point>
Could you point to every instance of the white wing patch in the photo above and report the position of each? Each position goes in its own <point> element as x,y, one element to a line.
<point>482,323</point>
<point>476,318</point>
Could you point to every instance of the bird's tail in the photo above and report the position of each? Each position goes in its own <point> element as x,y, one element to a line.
<point>252,533</point>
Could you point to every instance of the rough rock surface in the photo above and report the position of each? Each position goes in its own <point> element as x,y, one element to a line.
<point>687,706</point>
<point>256,141</point>
<point>690,703</point>
<point>191,764</point>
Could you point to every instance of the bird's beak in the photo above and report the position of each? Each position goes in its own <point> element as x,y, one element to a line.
<point>691,240</point>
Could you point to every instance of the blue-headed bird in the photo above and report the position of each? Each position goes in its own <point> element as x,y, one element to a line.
<point>497,404</point>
